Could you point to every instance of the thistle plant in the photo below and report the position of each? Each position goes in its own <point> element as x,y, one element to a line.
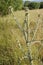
<point>26,33</point>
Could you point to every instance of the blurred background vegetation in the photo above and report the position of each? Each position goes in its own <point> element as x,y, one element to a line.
<point>18,5</point>
<point>13,49</point>
<point>12,43</point>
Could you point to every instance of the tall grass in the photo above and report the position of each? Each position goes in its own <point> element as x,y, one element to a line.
<point>12,44</point>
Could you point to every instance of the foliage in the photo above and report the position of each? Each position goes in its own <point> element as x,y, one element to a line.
<point>32,5</point>
<point>41,5</point>
<point>4,5</point>
<point>18,4</point>
<point>26,3</point>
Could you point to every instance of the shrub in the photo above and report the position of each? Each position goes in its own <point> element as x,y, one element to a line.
<point>26,3</point>
<point>34,5</point>
<point>41,5</point>
<point>4,4</point>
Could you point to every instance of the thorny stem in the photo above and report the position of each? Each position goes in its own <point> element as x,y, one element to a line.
<point>25,33</point>
<point>36,29</point>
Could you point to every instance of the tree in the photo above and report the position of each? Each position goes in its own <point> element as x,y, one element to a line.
<point>16,4</point>
<point>26,3</point>
<point>4,5</point>
<point>34,5</point>
<point>31,5</point>
<point>41,5</point>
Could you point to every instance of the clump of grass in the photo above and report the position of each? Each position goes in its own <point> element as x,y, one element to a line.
<point>6,55</point>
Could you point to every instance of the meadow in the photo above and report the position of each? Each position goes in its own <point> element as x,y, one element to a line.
<point>12,43</point>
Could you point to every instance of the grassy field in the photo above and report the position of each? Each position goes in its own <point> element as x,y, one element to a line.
<point>20,15</point>
<point>11,34</point>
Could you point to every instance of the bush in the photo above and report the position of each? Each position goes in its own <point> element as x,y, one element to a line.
<point>34,5</point>
<point>17,4</point>
<point>4,5</point>
<point>41,5</point>
<point>6,55</point>
<point>26,3</point>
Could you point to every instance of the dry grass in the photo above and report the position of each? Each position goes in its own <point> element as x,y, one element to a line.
<point>10,33</point>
